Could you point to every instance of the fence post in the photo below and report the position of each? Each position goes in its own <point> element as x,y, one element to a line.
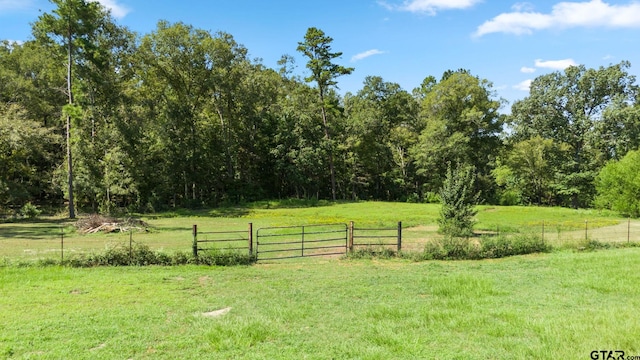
<point>629,230</point>
<point>543,231</point>
<point>351,227</point>
<point>130,245</point>
<point>250,239</point>
<point>195,240</point>
<point>586,230</point>
<point>399,235</point>
<point>61,244</point>
<point>302,253</point>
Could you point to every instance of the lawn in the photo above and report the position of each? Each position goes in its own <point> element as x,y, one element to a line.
<point>171,231</point>
<point>563,304</point>
<point>549,306</point>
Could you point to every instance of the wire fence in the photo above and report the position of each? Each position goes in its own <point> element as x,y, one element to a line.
<point>60,241</point>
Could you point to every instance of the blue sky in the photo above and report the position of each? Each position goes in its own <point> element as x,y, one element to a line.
<point>403,41</point>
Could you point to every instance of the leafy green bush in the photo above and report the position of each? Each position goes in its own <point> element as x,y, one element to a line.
<point>618,185</point>
<point>459,248</point>
<point>458,199</point>
<point>30,211</point>
<point>372,252</point>
<point>520,244</point>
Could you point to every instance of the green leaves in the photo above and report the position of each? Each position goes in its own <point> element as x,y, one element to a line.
<point>458,198</point>
<point>618,185</point>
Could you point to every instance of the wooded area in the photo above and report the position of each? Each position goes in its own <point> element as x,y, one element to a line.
<point>181,117</point>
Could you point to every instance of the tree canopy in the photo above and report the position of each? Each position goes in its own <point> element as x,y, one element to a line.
<point>182,117</point>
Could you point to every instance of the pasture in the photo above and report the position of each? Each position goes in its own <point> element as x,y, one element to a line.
<point>550,306</point>
<point>171,231</point>
<point>563,304</point>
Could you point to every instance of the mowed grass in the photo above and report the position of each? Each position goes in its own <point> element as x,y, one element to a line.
<point>549,306</point>
<point>171,231</point>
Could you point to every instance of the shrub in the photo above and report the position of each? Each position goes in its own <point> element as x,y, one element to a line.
<point>458,202</point>
<point>30,211</point>
<point>520,244</point>
<point>458,248</point>
<point>372,252</point>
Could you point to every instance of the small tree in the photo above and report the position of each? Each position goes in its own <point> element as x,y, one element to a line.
<point>618,185</point>
<point>458,202</point>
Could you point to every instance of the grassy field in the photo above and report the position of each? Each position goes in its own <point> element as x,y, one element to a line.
<point>563,304</point>
<point>550,306</point>
<point>171,231</point>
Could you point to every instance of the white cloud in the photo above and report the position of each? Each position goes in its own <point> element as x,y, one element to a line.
<point>523,6</point>
<point>555,64</point>
<point>523,86</point>
<point>430,7</point>
<point>117,10</point>
<point>593,13</point>
<point>366,54</point>
<point>527,70</point>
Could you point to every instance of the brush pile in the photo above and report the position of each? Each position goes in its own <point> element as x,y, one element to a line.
<point>97,223</point>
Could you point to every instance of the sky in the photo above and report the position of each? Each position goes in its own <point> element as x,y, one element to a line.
<point>506,42</point>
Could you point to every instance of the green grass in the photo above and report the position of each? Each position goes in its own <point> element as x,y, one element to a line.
<point>550,306</point>
<point>171,231</point>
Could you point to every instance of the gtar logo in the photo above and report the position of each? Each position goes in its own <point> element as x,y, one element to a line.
<point>607,355</point>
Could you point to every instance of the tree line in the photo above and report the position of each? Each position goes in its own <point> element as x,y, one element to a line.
<point>105,119</point>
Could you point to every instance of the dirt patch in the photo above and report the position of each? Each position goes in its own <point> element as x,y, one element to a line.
<point>216,313</point>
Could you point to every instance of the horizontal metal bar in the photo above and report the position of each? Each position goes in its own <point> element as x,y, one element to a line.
<point>280,258</point>
<point>325,247</point>
<point>325,232</point>
<point>388,244</point>
<point>301,226</point>
<point>376,237</point>
<point>222,240</point>
<point>280,243</point>
<point>364,229</point>
<point>324,240</point>
<point>299,256</point>
<point>279,250</point>
<point>325,254</point>
<point>222,249</point>
<point>222,232</point>
<point>275,235</point>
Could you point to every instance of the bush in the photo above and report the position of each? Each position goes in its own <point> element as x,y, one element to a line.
<point>372,252</point>
<point>30,211</point>
<point>459,248</point>
<point>503,246</point>
<point>458,202</point>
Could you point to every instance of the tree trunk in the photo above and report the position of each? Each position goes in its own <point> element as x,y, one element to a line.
<point>72,212</point>
<point>328,137</point>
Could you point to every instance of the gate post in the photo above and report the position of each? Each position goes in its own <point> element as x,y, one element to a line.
<point>302,250</point>
<point>250,239</point>
<point>399,235</point>
<point>351,227</point>
<point>195,240</point>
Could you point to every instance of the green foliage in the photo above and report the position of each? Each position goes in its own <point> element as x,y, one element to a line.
<point>487,247</point>
<point>569,108</point>
<point>458,199</point>
<point>142,255</point>
<point>372,252</point>
<point>618,185</point>
<point>460,125</point>
<point>30,211</point>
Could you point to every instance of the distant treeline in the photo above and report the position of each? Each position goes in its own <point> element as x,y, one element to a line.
<point>183,117</point>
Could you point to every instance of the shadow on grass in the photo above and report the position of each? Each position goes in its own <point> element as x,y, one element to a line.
<point>30,231</point>
<point>241,210</point>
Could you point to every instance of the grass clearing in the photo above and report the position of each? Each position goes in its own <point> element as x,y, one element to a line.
<point>171,231</point>
<point>559,305</point>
